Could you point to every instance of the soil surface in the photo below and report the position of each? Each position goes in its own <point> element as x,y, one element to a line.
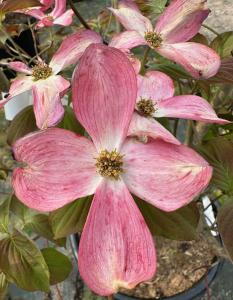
<point>180,266</point>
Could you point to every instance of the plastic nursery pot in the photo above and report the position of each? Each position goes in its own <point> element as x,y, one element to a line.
<point>198,289</point>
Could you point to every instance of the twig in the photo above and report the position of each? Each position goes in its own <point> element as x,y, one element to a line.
<point>189,133</point>
<point>144,60</point>
<point>81,19</point>
<point>33,37</point>
<point>58,292</point>
<point>41,52</point>
<point>16,46</point>
<point>210,29</point>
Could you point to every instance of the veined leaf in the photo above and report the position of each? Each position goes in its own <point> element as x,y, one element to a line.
<point>59,265</point>
<point>218,152</point>
<point>23,263</point>
<point>178,225</point>
<point>70,218</point>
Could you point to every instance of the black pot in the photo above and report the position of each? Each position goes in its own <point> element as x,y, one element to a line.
<point>196,290</point>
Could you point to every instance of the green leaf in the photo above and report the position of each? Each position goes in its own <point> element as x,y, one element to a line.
<point>218,152</point>
<point>20,210</point>
<point>70,218</point>
<point>4,214</point>
<point>157,6</point>
<point>23,263</point>
<point>171,69</point>
<point>178,225</point>
<point>3,285</point>
<point>13,5</point>
<point>70,122</point>
<point>223,44</point>
<point>225,227</point>
<point>23,123</point>
<point>40,224</point>
<point>200,38</point>
<point>59,265</point>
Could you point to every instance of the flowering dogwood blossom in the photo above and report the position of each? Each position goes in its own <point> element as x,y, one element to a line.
<point>180,21</point>
<point>116,248</point>
<point>156,99</point>
<point>58,16</point>
<point>48,87</point>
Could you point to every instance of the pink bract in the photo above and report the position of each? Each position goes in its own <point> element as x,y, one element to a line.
<point>158,89</point>
<point>116,247</point>
<point>58,16</point>
<point>180,21</point>
<point>47,92</point>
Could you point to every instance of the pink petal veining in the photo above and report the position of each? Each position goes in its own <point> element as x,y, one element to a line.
<point>148,127</point>
<point>188,107</point>
<point>59,167</point>
<point>199,60</point>
<point>104,93</point>
<point>181,20</point>
<point>116,248</point>
<point>166,175</point>
<point>72,48</point>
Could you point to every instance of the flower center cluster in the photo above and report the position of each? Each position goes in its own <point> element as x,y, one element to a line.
<point>109,164</point>
<point>41,71</point>
<point>146,107</point>
<point>153,39</point>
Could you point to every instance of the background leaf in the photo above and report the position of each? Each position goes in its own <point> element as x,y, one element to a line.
<point>12,5</point>
<point>70,218</point>
<point>4,214</point>
<point>70,122</point>
<point>23,263</point>
<point>3,285</point>
<point>178,225</point>
<point>59,265</point>
<point>23,123</point>
<point>223,44</point>
<point>219,153</point>
<point>225,227</point>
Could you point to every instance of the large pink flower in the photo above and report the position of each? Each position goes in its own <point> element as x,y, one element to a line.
<point>48,87</point>
<point>155,99</point>
<point>116,248</point>
<point>58,16</point>
<point>180,21</point>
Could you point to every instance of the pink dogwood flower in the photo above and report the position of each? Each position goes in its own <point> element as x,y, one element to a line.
<point>47,86</point>
<point>58,16</point>
<point>180,21</point>
<point>116,247</point>
<point>155,99</point>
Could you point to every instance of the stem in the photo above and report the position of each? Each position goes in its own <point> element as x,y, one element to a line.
<point>110,297</point>
<point>176,123</point>
<point>210,29</point>
<point>144,60</point>
<point>33,37</point>
<point>81,19</point>
<point>58,292</point>
<point>189,133</point>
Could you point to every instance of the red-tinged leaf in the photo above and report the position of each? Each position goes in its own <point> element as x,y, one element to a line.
<point>13,5</point>
<point>23,263</point>
<point>225,73</point>
<point>218,152</point>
